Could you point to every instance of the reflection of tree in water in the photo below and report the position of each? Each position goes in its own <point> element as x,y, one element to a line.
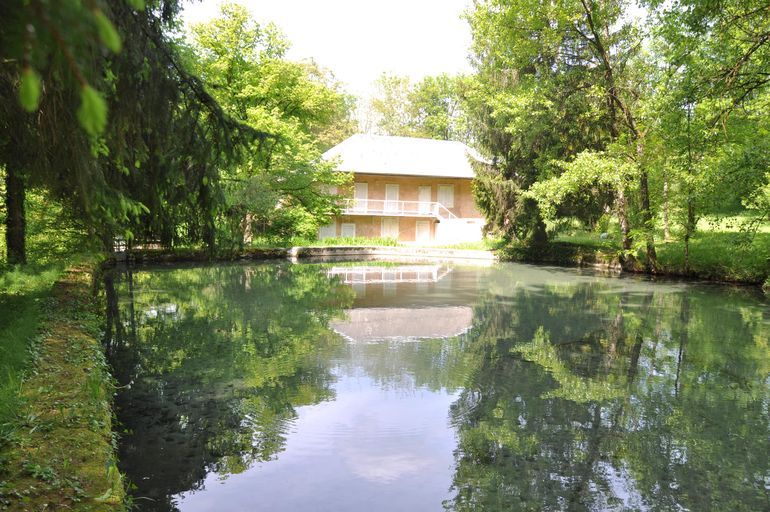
<point>587,398</point>
<point>215,361</point>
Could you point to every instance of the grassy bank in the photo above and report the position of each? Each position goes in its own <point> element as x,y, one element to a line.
<point>58,444</point>
<point>23,293</point>
<point>719,251</point>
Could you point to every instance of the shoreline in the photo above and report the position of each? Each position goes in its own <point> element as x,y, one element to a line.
<point>559,254</point>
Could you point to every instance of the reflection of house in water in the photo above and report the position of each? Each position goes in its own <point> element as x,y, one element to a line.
<point>399,274</point>
<point>407,302</point>
<point>379,324</point>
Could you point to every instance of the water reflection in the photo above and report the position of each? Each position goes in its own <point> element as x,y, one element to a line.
<point>403,387</point>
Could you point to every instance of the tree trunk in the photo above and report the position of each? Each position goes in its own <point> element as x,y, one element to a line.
<point>688,232</point>
<point>644,190</point>
<point>15,221</point>
<point>625,228</point>
<point>247,225</point>
<point>666,225</point>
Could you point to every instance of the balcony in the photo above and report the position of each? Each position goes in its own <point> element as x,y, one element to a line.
<point>399,274</point>
<point>393,208</point>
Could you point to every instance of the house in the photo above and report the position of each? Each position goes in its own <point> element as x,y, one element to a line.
<point>397,303</point>
<point>410,189</point>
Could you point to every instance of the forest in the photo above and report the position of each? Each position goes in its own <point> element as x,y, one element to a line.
<point>646,124</point>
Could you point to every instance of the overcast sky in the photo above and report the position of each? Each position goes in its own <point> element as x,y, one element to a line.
<point>360,39</point>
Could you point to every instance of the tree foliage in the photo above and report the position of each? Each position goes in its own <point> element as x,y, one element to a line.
<point>584,109</point>
<point>431,108</point>
<point>144,135</point>
<point>128,138</point>
<point>281,186</point>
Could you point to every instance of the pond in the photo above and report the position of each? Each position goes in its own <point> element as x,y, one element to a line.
<point>375,386</point>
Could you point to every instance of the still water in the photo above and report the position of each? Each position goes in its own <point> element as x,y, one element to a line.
<point>398,387</point>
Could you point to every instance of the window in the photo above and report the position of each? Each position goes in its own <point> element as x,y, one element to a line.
<point>391,198</point>
<point>328,231</point>
<point>361,196</point>
<point>348,230</point>
<point>390,227</point>
<point>446,195</point>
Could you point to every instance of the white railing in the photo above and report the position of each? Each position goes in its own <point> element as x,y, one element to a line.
<point>395,208</point>
<point>399,274</point>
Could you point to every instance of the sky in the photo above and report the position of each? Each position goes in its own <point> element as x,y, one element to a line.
<point>358,40</point>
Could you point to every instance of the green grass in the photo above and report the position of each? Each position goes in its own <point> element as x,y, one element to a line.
<point>23,292</point>
<point>60,453</point>
<point>721,249</point>
<point>487,244</point>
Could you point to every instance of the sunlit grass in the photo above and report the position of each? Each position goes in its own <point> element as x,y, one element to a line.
<point>734,248</point>
<point>487,244</point>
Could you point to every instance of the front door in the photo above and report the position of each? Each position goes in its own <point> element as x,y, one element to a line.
<point>423,196</point>
<point>391,198</point>
<point>390,227</point>
<point>422,231</point>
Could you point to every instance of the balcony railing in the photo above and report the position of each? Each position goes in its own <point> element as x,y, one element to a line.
<point>399,274</point>
<point>393,208</point>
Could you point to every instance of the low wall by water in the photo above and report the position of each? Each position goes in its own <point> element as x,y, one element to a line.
<point>395,251</point>
<point>144,257</point>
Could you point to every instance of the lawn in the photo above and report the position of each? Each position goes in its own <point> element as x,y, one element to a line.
<point>721,249</point>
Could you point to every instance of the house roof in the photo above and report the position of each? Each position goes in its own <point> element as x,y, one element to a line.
<point>367,325</point>
<point>408,156</point>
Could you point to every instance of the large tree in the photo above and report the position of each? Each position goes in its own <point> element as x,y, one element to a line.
<point>70,67</point>
<point>431,108</point>
<point>281,187</point>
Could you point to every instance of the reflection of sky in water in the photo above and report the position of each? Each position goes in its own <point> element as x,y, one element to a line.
<point>439,392</point>
<point>369,449</point>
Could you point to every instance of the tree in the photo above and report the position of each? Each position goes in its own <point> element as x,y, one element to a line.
<point>280,186</point>
<point>569,73</point>
<point>436,105</point>
<point>538,97</point>
<point>391,106</point>
<point>156,160</point>
<point>431,108</point>
<point>712,104</point>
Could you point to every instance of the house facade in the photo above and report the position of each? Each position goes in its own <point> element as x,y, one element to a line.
<point>409,189</point>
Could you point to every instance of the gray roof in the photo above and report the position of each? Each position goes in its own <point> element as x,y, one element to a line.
<point>407,156</point>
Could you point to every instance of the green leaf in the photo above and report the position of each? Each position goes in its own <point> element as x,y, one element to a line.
<point>136,4</point>
<point>107,32</point>
<point>92,113</point>
<point>29,89</point>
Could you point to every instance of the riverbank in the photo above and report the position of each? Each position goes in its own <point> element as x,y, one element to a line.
<point>711,263</point>
<point>154,256</point>
<point>60,454</point>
